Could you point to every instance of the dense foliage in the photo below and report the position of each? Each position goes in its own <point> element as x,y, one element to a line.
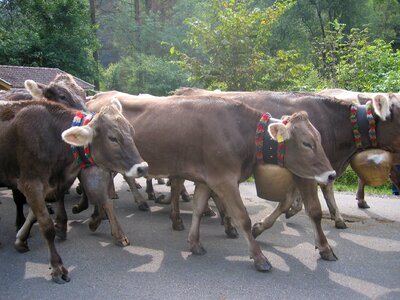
<point>155,46</point>
<point>48,33</point>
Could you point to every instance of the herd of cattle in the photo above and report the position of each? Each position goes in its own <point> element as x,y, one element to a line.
<point>216,139</point>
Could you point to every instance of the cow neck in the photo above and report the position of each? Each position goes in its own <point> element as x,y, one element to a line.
<point>82,155</point>
<point>363,125</point>
<point>268,151</point>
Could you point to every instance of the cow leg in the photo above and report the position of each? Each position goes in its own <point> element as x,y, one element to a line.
<point>309,193</point>
<point>34,192</point>
<point>150,190</point>
<point>295,208</point>
<point>329,196</point>
<point>184,193</point>
<point>395,176</point>
<point>175,215</point>
<point>360,195</point>
<point>114,194</point>
<point>21,243</point>
<point>96,218</point>
<point>236,209</point>
<point>151,195</point>
<point>116,231</point>
<point>267,222</point>
<point>19,200</point>
<point>200,198</point>
<point>61,218</point>
<point>230,230</point>
<point>83,203</point>
<point>100,194</point>
<point>137,197</point>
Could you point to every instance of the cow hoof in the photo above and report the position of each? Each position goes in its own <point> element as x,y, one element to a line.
<point>340,224</point>
<point>290,213</point>
<point>78,189</point>
<point>123,242</point>
<point>21,246</point>
<point>256,230</point>
<point>50,209</point>
<point>138,185</point>
<point>94,224</point>
<point>185,197</point>
<point>144,206</point>
<point>328,255</point>
<point>60,276</point>
<point>363,205</point>
<point>76,210</point>
<point>115,196</point>
<point>262,265</point>
<point>198,250</point>
<point>178,225</point>
<point>61,233</point>
<point>209,212</point>
<point>231,233</point>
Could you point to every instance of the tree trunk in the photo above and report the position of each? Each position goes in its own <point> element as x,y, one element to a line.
<point>96,52</point>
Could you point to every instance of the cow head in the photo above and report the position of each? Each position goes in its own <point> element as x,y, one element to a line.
<point>110,137</point>
<point>304,155</point>
<point>387,110</point>
<point>63,89</point>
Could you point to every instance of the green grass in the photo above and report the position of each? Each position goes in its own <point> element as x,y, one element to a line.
<point>348,182</point>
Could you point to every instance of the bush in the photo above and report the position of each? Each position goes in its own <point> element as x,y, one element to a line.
<point>145,74</point>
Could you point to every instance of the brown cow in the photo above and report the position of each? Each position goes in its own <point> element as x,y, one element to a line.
<point>63,89</point>
<point>325,113</point>
<point>212,142</point>
<point>34,159</point>
<point>362,98</point>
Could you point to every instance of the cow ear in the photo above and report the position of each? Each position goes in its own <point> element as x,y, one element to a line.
<point>117,104</point>
<point>381,106</point>
<point>78,136</point>
<point>278,132</point>
<point>36,90</point>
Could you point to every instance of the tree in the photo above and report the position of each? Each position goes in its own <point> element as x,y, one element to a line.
<point>354,62</point>
<point>229,46</point>
<point>48,33</point>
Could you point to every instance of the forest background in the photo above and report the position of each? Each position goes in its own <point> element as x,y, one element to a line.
<point>156,46</point>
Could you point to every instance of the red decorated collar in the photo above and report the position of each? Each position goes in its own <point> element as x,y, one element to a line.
<point>82,155</point>
<point>356,119</point>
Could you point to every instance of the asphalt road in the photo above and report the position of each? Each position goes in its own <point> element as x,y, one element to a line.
<point>157,264</point>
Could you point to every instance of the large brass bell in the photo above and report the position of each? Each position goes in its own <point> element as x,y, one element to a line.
<point>372,166</point>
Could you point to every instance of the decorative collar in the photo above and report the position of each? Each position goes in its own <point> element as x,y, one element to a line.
<point>268,150</point>
<point>82,155</point>
<point>363,125</point>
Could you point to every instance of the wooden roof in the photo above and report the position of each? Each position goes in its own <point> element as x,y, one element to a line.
<point>15,76</point>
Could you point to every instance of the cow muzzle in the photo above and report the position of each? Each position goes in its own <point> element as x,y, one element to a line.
<point>326,177</point>
<point>138,170</point>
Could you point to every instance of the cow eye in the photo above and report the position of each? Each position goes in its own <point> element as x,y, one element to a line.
<point>113,139</point>
<point>308,145</point>
<point>62,97</point>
